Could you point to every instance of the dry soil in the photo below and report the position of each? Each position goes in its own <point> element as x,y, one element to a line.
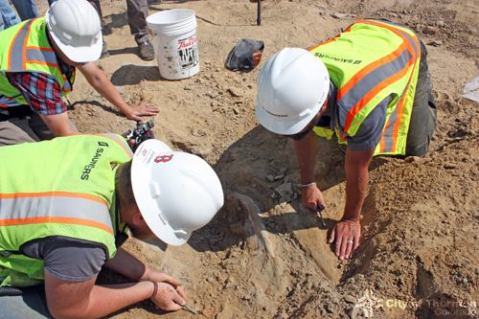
<point>262,256</point>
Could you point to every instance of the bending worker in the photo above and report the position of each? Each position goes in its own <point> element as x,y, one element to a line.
<point>370,87</point>
<point>61,213</point>
<point>38,59</point>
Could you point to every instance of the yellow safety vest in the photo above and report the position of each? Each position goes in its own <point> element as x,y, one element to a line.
<point>368,62</point>
<point>63,187</point>
<point>25,48</point>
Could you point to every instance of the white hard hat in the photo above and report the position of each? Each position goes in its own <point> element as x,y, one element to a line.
<point>292,88</point>
<point>176,192</point>
<point>75,28</point>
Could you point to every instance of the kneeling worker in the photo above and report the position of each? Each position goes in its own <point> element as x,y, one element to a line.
<point>370,87</point>
<point>64,202</point>
<point>38,58</point>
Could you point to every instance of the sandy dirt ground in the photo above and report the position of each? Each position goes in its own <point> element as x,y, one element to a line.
<point>263,256</point>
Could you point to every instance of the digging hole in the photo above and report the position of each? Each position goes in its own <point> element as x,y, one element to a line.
<point>443,306</point>
<point>436,305</point>
<point>424,283</point>
<point>372,223</point>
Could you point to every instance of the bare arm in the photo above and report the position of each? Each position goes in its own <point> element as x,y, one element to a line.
<point>306,150</point>
<point>357,176</point>
<point>72,300</point>
<point>86,300</point>
<point>98,80</point>
<point>59,124</point>
<point>347,233</point>
<point>129,266</point>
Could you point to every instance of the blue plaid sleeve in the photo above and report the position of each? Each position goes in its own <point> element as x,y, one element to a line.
<point>42,91</point>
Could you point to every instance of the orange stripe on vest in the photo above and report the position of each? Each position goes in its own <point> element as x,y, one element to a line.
<point>56,220</point>
<point>56,193</point>
<point>365,100</point>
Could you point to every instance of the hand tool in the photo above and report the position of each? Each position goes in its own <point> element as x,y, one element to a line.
<point>139,134</point>
<point>188,308</point>
<point>319,209</point>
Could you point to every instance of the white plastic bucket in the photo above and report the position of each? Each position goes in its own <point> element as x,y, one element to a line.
<point>176,43</point>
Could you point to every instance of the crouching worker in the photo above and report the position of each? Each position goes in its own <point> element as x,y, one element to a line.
<point>370,87</point>
<point>38,59</point>
<point>64,202</point>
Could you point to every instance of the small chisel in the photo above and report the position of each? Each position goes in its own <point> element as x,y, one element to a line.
<point>319,209</point>
<point>189,309</point>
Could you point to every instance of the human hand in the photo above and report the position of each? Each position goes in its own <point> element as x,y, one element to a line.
<point>153,275</point>
<point>346,235</point>
<point>137,112</point>
<point>168,298</point>
<point>158,276</point>
<point>312,198</point>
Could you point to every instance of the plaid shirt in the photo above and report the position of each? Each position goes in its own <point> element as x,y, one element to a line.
<point>41,91</point>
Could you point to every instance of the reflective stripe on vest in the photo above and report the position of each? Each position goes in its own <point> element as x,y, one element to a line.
<point>59,188</point>
<point>6,102</point>
<point>379,74</point>
<point>25,48</point>
<point>42,56</point>
<point>16,53</point>
<point>361,88</point>
<point>389,139</point>
<point>55,207</point>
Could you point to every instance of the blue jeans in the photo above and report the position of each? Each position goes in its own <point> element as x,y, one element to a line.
<point>26,8</point>
<point>8,17</point>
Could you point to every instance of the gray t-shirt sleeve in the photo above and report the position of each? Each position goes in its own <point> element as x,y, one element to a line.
<point>370,131</point>
<point>66,258</point>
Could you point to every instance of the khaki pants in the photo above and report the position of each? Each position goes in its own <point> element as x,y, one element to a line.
<point>423,117</point>
<point>137,11</point>
<point>25,129</point>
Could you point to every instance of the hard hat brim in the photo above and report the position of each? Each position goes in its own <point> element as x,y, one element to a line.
<point>80,54</point>
<point>286,126</point>
<point>292,88</point>
<point>141,169</point>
